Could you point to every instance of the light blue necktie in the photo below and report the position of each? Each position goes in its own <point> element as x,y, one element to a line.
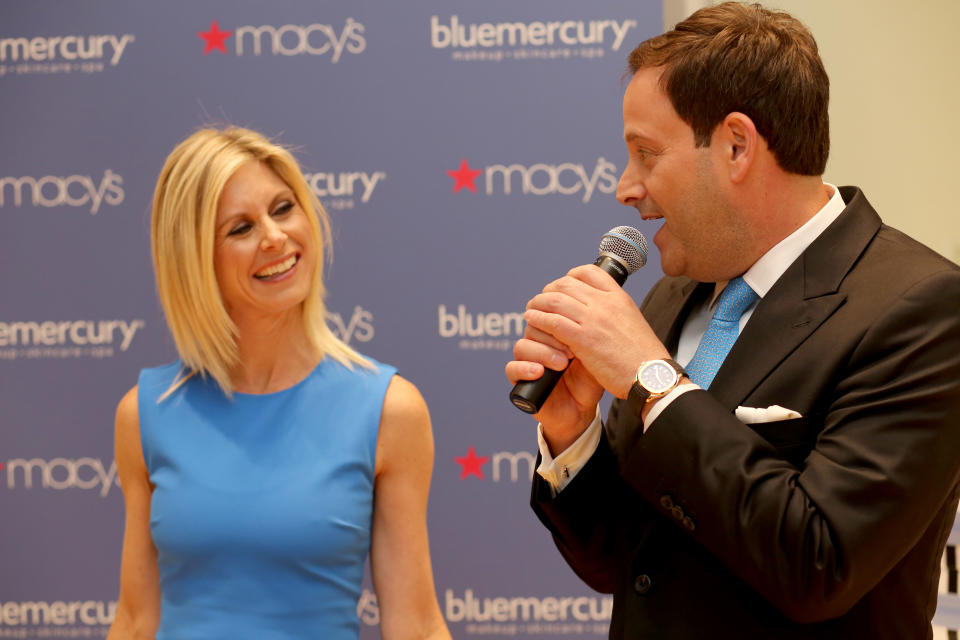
<point>721,333</point>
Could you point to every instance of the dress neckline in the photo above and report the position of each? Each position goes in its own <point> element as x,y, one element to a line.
<point>289,389</point>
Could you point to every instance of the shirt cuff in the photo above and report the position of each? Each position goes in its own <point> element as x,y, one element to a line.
<point>665,401</point>
<point>559,471</point>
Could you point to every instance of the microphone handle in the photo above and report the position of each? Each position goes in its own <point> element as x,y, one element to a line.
<point>529,395</point>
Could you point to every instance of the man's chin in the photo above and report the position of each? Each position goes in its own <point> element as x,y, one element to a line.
<point>670,267</point>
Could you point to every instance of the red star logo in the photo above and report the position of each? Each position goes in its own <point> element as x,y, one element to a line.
<point>464,177</point>
<point>471,462</point>
<point>215,38</point>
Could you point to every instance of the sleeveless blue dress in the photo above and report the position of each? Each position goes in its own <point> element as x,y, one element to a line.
<point>262,505</point>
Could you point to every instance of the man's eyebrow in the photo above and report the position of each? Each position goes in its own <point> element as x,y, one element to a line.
<point>635,136</point>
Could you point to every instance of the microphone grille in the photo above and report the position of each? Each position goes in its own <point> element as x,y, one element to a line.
<point>627,245</point>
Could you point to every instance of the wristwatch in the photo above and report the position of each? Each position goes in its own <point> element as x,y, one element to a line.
<point>655,379</point>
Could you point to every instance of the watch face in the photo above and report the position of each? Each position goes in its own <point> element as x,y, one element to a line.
<point>657,376</point>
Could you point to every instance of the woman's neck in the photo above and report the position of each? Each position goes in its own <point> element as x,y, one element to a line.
<point>275,353</point>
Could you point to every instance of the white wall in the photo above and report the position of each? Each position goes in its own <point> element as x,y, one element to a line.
<point>894,71</point>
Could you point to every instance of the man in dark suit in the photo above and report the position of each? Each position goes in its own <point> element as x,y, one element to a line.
<point>806,487</point>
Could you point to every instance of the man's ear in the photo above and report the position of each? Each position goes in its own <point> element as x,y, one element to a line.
<point>739,142</point>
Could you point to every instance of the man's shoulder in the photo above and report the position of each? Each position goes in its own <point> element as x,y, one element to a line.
<point>895,267</point>
<point>898,246</point>
<point>859,250</point>
<point>888,240</point>
<point>896,260</point>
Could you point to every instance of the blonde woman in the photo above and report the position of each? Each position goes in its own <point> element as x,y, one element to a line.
<point>260,469</point>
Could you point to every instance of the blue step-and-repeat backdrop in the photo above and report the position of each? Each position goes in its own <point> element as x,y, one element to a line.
<point>468,153</point>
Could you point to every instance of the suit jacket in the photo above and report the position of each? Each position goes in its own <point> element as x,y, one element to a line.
<point>831,525</point>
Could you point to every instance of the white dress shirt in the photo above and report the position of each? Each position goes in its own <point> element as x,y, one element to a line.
<point>761,277</point>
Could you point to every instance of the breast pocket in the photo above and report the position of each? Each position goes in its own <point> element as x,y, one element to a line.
<point>794,439</point>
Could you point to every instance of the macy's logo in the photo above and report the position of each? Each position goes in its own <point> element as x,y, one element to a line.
<point>368,608</point>
<point>60,474</point>
<point>358,327</point>
<point>54,191</point>
<point>472,465</point>
<point>287,40</point>
<point>538,179</point>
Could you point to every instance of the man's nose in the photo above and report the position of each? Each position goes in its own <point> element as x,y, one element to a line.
<point>630,189</point>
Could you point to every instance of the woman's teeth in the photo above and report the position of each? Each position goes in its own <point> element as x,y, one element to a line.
<point>277,269</point>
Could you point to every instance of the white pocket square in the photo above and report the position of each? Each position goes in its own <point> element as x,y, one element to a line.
<point>774,413</point>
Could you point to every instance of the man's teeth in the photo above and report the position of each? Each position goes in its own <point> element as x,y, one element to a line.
<point>286,265</point>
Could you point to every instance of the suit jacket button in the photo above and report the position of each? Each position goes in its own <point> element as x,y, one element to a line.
<point>666,502</point>
<point>677,512</point>
<point>688,523</point>
<point>642,584</point>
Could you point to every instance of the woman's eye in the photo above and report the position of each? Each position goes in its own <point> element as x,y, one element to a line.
<point>284,208</point>
<point>240,229</point>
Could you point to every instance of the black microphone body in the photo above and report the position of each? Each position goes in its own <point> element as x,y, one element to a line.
<point>625,252</point>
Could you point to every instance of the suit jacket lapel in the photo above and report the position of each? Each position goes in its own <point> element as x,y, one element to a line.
<point>799,302</point>
<point>668,305</point>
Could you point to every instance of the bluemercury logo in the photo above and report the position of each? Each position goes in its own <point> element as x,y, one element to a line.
<point>471,608</point>
<point>59,474</point>
<point>540,179</point>
<point>57,613</point>
<point>287,40</point>
<point>479,330</point>
<point>337,190</point>
<point>52,49</point>
<point>506,466</point>
<point>359,326</point>
<point>69,332</point>
<point>56,191</point>
<point>539,39</point>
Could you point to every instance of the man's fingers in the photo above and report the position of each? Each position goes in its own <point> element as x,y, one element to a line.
<point>594,277</point>
<point>520,370</point>
<point>533,334</point>
<point>525,350</point>
<point>558,326</point>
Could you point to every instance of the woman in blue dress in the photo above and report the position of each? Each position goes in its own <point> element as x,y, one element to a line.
<point>262,468</point>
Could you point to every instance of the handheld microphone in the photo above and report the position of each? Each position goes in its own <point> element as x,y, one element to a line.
<point>623,250</point>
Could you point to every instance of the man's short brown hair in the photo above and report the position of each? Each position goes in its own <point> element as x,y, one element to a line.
<point>745,58</point>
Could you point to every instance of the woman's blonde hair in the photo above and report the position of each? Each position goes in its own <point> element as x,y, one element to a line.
<point>182,240</point>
